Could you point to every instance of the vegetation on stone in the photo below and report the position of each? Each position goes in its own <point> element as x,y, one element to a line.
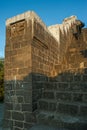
<point>1,79</point>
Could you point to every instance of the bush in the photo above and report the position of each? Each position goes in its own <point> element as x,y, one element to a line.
<point>1,80</point>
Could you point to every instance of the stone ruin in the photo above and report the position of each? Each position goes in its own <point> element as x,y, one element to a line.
<point>45,73</point>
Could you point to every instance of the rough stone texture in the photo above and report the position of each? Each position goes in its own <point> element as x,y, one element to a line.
<point>45,76</point>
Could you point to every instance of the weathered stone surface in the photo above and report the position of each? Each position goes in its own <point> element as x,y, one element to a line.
<point>19,124</point>
<point>68,108</point>
<point>45,71</point>
<point>17,116</point>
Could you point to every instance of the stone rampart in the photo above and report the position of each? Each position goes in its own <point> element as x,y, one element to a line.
<point>45,73</point>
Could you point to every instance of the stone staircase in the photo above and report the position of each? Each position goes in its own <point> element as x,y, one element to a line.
<point>64,103</point>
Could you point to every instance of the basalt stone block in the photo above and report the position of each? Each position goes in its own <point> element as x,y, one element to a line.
<point>43,105</point>
<point>50,86</point>
<point>48,95</point>
<point>83,86</point>
<point>8,114</point>
<point>20,99</point>
<point>30,117</point>
<point>83,110</point>
<point>77,78</point>
<point>85,98</point>
<point>16,106</point>
<point>52,106</point>
<point>19,93</point>
<point>27,99</point>
<point>34,106</point>
<point>69,78</point>
<point>75,87</point>
<point>46,127</point>
<point>84,79</point>
<point>9,106</point>
<point>26,107</point>
<point>78,97</point>
<point>17,128</point>
<point>28,125</point>
<point>7,124</point>
<point>63,86</point>
<point>18,124</point>
<point>9,86</point>
<point>17,116</point>
<point>63,96</point>
<point>68,109</point>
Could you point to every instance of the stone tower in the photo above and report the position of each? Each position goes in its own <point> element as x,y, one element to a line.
<point>45,73</point>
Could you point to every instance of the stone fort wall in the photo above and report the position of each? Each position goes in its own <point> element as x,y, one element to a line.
<point>45,74</point>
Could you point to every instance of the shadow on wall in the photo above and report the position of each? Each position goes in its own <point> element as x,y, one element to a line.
<point>59,101</point>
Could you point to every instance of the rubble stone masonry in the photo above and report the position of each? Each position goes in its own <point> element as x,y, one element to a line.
<point>45,73</point>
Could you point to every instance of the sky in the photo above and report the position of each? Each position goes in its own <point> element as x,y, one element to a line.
<point>50,11</point>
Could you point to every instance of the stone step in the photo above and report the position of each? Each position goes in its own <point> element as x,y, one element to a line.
<point>76,86</point>
<point>70,108</point>
<point>62,120</point>
<point>45,127</point>
<point>67,96</point>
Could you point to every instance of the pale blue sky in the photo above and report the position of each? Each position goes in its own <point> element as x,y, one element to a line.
<point>50,11</point>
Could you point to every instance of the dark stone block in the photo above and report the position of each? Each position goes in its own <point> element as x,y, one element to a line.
<point>26,107</point>
<point>36,94</point>
<point>30,117</point>
<point>78,97</point>
<point>34,106</point>
<point>68,109</point>
<point>83,86</point>
<point>75,86</point>
<point>28,78</point>
<point>7,98</point>
<point>84,78</point>
<point>12,92</point>
<point>85,71</point>
<point>63,87</point>
<point>17,106</point>
<point>7,114</point>
<point>50,85</point>
<point>17,116</point>
<point>28,125</point>
<point>9,86</point>
<point>18,124</point>
<point>20,92</point>
<point>39,77</point>
<point>85,98</point>
<point>27,99</point>
<point>48,95</point>
<point>8,123</point>
<point>16,128</point>
<point>20,99</point>
<point>77,78</point>
<point>43,105</point>
<point>37,85</point>
<point>83,111</point>
<point>52,106</point>
<point>27,85</point>
<point>67,78</point>
<point>9,106</point>
<point>46,127</point>
<point>62,96</point>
